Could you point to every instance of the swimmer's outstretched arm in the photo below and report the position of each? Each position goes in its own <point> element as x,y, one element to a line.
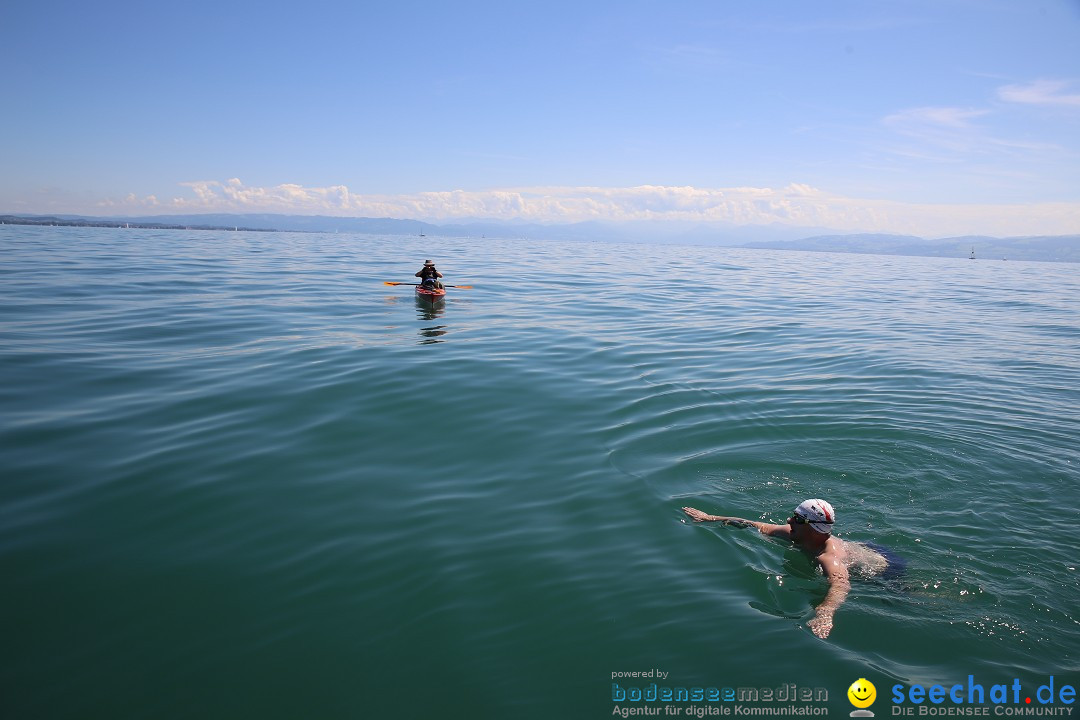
<point>766,528</point>
<point>700,516</point>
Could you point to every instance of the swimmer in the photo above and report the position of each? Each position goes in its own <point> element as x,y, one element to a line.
<point>810,528</point>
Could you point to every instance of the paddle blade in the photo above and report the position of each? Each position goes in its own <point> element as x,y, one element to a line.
<point>461,287</point>
<point>390,283</point>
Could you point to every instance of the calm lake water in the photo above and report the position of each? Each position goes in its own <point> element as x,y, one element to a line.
<point>244,478</point>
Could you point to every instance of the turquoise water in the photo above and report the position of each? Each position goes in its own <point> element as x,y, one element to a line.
<point>244,478</point>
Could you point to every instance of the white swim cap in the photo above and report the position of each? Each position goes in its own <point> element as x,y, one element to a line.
<point>818,514</point>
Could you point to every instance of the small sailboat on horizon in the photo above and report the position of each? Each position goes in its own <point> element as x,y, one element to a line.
<point>972,256</point>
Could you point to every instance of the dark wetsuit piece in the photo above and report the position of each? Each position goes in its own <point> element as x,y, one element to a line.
<point>897,563</point>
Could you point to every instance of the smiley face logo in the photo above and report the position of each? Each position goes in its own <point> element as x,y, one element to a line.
<point>862,693</point>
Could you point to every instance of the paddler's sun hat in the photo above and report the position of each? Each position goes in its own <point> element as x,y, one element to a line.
<point>819,514</point>
<point>428,262</point>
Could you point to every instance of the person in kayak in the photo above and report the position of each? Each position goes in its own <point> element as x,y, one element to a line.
<point>429,276</point>
<point>810,528</point>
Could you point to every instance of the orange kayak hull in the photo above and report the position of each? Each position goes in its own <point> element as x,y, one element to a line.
<point>430,294</point>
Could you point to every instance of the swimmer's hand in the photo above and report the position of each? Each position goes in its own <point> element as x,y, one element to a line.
<point>698,516</point>
<point>821,625</point>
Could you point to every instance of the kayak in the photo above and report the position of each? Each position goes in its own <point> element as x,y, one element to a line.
<point>430,294</point>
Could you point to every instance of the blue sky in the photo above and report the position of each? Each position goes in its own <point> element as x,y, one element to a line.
<point>937,117</point>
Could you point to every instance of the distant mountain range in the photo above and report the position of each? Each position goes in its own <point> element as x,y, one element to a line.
<point>1057,248</point>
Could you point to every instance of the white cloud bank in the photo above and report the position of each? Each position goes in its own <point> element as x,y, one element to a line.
<point>794,205</point>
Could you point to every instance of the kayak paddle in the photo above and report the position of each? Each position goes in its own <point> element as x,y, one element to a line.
<point>459,287</point>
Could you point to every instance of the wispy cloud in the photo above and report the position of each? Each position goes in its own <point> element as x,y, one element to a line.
<point>956,131</point>
<point>1040,92</point>
<point>934,117</point>
<point>948,128</point>
<point>794,205</point>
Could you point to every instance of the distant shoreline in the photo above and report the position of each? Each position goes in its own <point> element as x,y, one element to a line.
<point>1038,248</point>
<point>51,221</point>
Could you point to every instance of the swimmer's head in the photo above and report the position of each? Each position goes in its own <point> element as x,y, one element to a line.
<point>818,514</point>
